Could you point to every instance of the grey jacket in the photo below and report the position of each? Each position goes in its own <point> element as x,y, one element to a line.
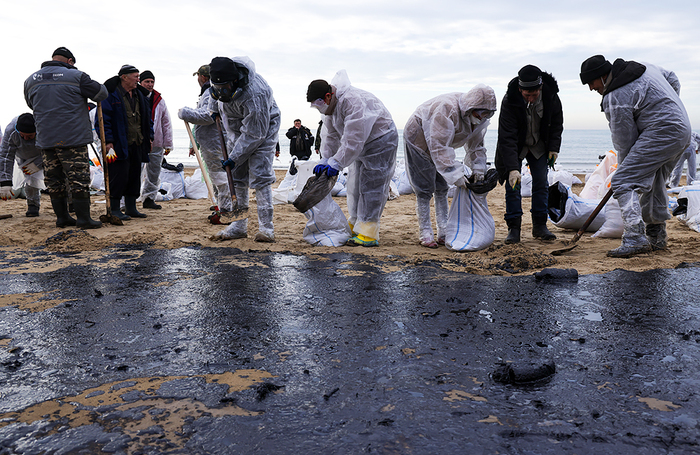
<point>205,131</point>
<point>57,94</point>
<point>14,148</point>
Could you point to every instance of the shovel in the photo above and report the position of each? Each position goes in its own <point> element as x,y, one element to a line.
<point>236,211</point>
<point>580,232</point>
<point>108,217</point>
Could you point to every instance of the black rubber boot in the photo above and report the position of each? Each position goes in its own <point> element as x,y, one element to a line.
<point>149,203</point>
<point>60,208</point>
<point>513,231</point>
<point>539,228</point>
<point>115,204</point>
<point>32,211</point>
<point>130,208</point>
<point>656,233</point>
<point>81,203</point>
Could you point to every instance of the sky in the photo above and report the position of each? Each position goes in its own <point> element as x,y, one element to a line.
<point>405,52</point>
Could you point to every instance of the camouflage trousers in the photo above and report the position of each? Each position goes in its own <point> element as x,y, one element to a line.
<point>66,170</point>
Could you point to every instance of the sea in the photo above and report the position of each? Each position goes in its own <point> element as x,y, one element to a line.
<point>581,150</point>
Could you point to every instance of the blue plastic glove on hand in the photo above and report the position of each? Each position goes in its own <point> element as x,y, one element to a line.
<point>229,162</point>
<point>321,168</point>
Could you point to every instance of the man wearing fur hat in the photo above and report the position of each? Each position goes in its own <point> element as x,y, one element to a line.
<point>530,126</point>
<point>650,130</point>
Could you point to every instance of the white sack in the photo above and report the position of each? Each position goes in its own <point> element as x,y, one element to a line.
<point>470,226</point>
<point>195,187</point>
<point>692,217</point>
<point>176,181</point>
<point>572,212</point>
<point>613,226</point>
<point>326,225</point>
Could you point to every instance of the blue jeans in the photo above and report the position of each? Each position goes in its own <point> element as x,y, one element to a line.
<point>540,190</point>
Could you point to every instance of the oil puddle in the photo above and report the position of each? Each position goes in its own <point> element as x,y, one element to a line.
<point>33,302</point>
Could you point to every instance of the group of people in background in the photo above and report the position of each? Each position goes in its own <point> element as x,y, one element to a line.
<point>648,122</point>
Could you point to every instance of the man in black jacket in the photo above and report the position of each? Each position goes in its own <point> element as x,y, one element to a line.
<point>530,126</point>
<point>300,141</point>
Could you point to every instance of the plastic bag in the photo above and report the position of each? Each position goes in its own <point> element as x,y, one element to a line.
<point>315,189</point>
<point>692,216</point>
<point>470,225</point>
<point>598,182</point>
<point>195,187</point>
<point>569,211</point>
<point>176,181</point>
<point>326,225</point>
<point>613,226</point>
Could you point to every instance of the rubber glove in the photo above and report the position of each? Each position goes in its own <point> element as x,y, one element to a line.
<point>6,193</point>
<point>514,179</point>
<point>229,162</point>
<point>461,182</point>
<point>552,159</point>
<point>30,168</point>
<point>166,152</point>
<point>329,170</point>
<point>111,155</point>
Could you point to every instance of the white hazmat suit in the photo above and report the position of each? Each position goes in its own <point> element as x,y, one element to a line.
<point>431,135</point>
<point>361,135</point>
<point>690,155</point>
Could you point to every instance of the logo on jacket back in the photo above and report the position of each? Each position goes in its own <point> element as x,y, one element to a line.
<point>38,77</point>
<point>57,76</point>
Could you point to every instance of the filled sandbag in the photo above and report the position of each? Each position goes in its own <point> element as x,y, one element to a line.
<point>177,183</point>
<point>470,225</point>
<point>326,225</point>
<point>195,186</point>
<point>570,211</point>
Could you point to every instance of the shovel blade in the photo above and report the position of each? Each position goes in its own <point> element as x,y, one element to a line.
<point>111,219</point>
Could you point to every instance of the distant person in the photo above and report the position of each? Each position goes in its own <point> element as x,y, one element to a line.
<point>18,145</point>
<point>530,126</point>
<point>128,137</point>
<point>300,141</point>
<point>317,142</point>
<point>162,141</point>
<point>207,136</point>
<point>689,155</point>
<point>358,134</point>
<point>252,120</point>
<point>650,130</point>
<point>431,135</point>
<point>58,94</point>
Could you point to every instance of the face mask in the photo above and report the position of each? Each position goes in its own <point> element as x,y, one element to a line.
<point>320,105</point>
<point>223,92</point>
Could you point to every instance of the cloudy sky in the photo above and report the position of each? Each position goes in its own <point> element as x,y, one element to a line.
<point>405,52</point>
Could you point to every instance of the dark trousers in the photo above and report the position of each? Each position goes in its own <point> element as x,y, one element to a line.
<point>125,175</point>
<point>540,190</point>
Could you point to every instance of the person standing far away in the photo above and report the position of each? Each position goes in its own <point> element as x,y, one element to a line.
<point>359,134</point>
<point>689,155</point>
<point>650,130</point>
<point>300,141</point>
<point>317,142</point>
<point>207,136</point>
<point>530,127</point>
<point>18,144</point>
<point>252,120</point>
<point>162,141</point>
<point>128,138</point>
<point>58,94</point>
<point>431,135</point>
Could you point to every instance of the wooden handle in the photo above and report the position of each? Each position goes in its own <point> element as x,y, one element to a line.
<point>205,174</point>
<point>224,152</point>
<point>592,216</point>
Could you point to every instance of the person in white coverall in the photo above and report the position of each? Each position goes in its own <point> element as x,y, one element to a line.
<point>162,141</point>
<point>430,136</point>
<point>690,155</point>
<point>252,120</point>
<point>650,130</point>
<point>207,136</point>
<point>358,133</point>
<point>19,145</point>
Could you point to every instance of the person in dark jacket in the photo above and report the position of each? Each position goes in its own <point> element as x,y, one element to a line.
<point>530,126</point>
<point>57,94</point>
<point>128,138</point>
<point>300,141</point>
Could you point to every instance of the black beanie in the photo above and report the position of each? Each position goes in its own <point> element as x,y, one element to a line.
<point>317,89</point>
<point>25,124</point>
<point>222,70</point>
<point>593,68</point>
<point>146,75</point>
<point>63,52</point>
<point>529,77</point>
<point>127,69</point>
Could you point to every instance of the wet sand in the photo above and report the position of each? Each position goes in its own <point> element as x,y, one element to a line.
<point>183,223</point>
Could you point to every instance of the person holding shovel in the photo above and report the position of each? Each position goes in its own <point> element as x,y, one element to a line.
<point>57,93</point>
<point>650,130</point>
<point>251,117</point>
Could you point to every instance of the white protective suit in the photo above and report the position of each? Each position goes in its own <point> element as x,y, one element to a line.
<point>432,133</point>
<point>361,135</point>
<point>162,139</point>
<point>14,148</point>
<point>207,136</point>
<point>650,130</point>
<point>252,121</point>
<point>690,155</point>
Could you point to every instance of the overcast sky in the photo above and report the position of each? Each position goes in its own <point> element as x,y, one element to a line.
<point>405,52</point>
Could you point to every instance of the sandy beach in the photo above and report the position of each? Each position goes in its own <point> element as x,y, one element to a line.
<point>183,223</point>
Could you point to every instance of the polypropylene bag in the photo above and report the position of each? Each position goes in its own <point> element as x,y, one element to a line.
<point>692,215</point>
<point>195,187</point>
<point>176,181</point>
<point>569,211</point>
<point>315,190</point>
<point>613,226</point>
<point>470,225</point>
<point>326,225</point>
<point>598,182</point>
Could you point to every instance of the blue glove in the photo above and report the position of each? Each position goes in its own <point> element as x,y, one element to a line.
<point>229,162</point>
<point>321,168</point>
<point>214,115</point>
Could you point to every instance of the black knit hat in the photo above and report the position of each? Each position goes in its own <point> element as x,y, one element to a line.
<point>25,124</point>
<point>127,69</point>
<point>222,70</point>
<point>317,89</point>
<point>146,75</point>
<point>63,52</point>
<point>529,77</point>
<point>594,67</point>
